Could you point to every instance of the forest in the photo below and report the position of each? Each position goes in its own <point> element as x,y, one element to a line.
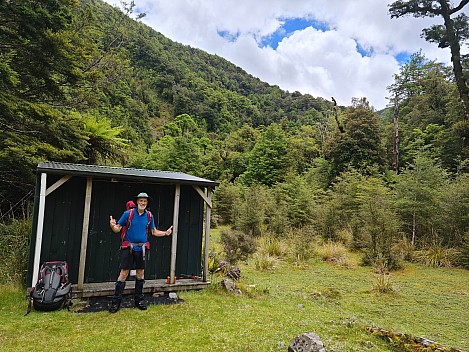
<point>83,82</point>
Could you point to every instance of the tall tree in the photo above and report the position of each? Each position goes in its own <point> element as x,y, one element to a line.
<point>268,160</point>
<point>428,102</point>
<point>418,190</point>
<point>360,145</point>
<point>451,34</point>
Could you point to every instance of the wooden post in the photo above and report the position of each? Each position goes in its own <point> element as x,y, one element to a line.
<point>208,211</point>
<point>40,228</point>
<point>84,233</point>
<point>177,196</point>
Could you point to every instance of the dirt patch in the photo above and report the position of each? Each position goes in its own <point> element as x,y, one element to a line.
<point>99,304</point>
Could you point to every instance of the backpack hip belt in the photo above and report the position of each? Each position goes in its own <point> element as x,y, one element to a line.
<point>143,245</point>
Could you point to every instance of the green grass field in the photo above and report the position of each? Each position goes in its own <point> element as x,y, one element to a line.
<point>334,302</point>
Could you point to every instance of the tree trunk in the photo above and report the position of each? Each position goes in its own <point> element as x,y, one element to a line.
<point>456,58</point>
<point>336,116</point>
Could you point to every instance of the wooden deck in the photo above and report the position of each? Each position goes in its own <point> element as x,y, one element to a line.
<point>151,286</point>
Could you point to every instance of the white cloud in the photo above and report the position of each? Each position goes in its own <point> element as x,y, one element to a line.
<point>323,64</point>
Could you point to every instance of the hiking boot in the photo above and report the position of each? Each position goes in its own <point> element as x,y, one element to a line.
<point>140,304</point>
<point>115,306</point>
<point>138,297</point>
<point>117,298</point>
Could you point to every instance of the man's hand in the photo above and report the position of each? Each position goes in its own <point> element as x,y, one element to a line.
<point>112,221</point>
<point>115,227</point>
<point>169,231</point>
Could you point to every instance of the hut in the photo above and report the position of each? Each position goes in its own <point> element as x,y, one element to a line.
<point>73,203</point>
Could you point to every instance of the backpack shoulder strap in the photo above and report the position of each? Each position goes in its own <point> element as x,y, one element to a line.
<point>129,222</point>
<point>149,215</point>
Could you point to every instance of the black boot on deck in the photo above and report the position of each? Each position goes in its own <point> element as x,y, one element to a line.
<point>138,297</point>
<point>117,298</point>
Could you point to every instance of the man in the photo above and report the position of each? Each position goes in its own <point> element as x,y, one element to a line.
<point>134,240</point>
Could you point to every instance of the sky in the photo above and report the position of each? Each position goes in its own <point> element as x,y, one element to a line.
<point>326,48</point>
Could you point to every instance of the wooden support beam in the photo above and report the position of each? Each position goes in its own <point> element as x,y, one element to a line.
<point>208,200</point>
<point>84,232</point>
<point>208,211</point>
<point>58,184</point>
<point>40,228</point>
<point>177,197</point>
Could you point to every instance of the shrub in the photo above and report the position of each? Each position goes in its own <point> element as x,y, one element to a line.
<point>300,244</point>
<point>250,212</point>
<point>332,252</point>
<point>264,261</point>
<point>383,283</point>
<point>437,256</point>
<point>213,264</point>
<point>237,245</point>
<point>385,260</point>
<point>14,241</point>
<point>403,249</point>
<point>463,256</point>
<point>272,246</point>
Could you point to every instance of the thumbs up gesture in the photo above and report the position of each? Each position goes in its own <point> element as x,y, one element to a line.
<point>112,221</point>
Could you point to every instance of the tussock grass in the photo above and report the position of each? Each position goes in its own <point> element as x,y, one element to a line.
<point>265,261</point>
<point>335,253</point>
<point>275,306</point>
<point>383,283</point>
<point>436,257</point>
<point>272,246</point>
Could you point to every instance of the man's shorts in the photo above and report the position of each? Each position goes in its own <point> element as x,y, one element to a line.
<point>131,259</point>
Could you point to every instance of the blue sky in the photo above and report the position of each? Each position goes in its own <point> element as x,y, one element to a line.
<point>325,48</point>
<point>289,26</point>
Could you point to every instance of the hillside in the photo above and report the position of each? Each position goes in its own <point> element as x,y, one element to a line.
<point>67,67</point>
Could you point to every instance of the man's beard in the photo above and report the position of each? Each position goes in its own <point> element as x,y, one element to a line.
<point>141,207</point>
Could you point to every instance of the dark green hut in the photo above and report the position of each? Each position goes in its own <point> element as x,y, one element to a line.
<point>72,206</point>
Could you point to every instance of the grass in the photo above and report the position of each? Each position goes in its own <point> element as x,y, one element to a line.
<point>335,302</point>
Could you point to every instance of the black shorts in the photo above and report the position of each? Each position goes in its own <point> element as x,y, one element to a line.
<point>131,259</point>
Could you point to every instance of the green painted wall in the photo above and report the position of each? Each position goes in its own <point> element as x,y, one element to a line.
<point>64,218</point>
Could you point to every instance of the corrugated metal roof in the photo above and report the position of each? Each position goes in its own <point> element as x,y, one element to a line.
<point>121,173</point>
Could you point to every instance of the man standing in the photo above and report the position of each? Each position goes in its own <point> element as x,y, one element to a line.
<point>135,224</point>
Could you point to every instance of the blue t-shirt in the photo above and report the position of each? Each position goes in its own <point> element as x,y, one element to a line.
<point>137,232</point>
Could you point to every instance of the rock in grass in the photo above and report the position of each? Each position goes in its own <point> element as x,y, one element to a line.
<point>307,342</point>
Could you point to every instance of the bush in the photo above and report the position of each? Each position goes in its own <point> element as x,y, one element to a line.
<point>404,250</point>
<point>264,261</point>
<point>271,246</point>
<point>437,257</point>
<point>384,259</point>
<point>383,283</point>
<point>237,245</point>
<point>463,256</point>
<point>14,241</point>
<point>250,212</point>
<point>332,252</point>
<point>300,243</point>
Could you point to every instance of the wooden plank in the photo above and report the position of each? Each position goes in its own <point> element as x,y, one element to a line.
<point>58,184</point>
<point>208,200</point>
<point>40,228</point>
<point>151,286</point>
<point>177,196</point>
<point>208,211</point>
<point>84,233</point>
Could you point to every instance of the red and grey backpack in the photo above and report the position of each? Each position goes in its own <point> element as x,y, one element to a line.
<point>126,244</point>
<point>53,289</point>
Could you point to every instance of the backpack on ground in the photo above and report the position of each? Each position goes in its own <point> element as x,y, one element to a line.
<point>53,289</point>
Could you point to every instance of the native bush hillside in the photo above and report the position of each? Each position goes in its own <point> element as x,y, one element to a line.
<point>82,82</point>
